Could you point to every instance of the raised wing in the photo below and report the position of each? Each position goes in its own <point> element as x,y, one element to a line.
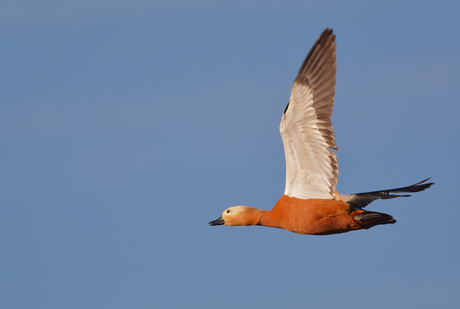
<point>306,128</point>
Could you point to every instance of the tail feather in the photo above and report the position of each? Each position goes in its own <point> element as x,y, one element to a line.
<point>361,200</point>
<point>368,219</point>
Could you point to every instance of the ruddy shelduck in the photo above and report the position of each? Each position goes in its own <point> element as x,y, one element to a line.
<point>310,204</point>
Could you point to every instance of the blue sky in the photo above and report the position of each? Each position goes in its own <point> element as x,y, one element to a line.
<point>126,126</point>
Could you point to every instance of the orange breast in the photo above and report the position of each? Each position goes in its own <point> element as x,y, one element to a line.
<point>311,216</point>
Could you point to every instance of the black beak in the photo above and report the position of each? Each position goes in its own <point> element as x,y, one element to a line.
<point>219,221</point>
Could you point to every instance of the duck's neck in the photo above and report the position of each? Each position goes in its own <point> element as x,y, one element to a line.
<point>254,217</point>
<point>259,215</point>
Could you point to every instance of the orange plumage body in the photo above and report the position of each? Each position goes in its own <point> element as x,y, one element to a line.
<point>316,216</point>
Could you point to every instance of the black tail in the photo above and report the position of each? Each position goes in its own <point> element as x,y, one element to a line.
<point>369,219</point>
<point>363,199</point>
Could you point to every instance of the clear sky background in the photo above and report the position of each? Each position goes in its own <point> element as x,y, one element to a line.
<point>125,126</point>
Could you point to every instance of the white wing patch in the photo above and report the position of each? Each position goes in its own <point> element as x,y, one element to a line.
<point>306,128</point>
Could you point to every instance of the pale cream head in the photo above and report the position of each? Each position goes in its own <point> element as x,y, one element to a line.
<point>239,215</point>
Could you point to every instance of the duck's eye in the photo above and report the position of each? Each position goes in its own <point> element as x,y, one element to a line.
<point>228,211</point>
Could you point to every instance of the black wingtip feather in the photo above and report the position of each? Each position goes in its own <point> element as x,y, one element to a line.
<point>361,200</point>
<point>323,38</point>
<point>417,187</point>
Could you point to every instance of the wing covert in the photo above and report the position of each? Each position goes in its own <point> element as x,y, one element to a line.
<point>306,128</point>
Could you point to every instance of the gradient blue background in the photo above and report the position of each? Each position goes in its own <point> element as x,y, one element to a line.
<point>126,126</point>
